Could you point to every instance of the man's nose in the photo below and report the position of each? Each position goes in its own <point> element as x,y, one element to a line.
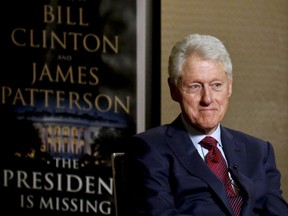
<point>206,97</point>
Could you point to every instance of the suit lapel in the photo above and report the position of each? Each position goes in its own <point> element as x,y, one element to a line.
<point>235,154</point>
<point>180,143</point>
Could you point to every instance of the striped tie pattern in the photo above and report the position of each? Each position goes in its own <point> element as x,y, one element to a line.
<point>216,162</point>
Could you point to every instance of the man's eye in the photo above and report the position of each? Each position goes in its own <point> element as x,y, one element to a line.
<point>193,87</point>
<point>217,86</point>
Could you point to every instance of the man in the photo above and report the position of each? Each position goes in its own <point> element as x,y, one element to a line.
<point>170,169</point>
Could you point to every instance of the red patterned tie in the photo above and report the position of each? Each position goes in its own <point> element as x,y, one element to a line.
<point>217,163</point>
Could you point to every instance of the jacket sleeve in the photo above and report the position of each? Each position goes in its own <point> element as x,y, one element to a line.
<point>275,203</point>
<point>147,178</point>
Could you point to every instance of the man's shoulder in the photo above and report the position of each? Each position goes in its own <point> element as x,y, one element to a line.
<point>166,129</point>
<point>153,131</point>
<point>238,134</point>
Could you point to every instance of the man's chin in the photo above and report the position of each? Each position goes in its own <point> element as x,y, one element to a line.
<point>206,128</point>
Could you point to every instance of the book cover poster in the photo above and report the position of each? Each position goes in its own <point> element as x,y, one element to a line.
<point>68,100</point>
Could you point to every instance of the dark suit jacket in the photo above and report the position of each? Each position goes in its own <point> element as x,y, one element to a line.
<point>166,175</point>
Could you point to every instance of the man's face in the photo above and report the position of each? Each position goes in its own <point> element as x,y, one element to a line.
<point>203,93</point>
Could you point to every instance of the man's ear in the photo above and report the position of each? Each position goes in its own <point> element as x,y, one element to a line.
<point>174,91</point>
<point>230,87</point>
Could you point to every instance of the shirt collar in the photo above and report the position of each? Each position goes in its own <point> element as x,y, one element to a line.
<point>196,136</point>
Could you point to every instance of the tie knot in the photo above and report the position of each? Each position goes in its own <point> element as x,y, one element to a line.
<point>208,142</point>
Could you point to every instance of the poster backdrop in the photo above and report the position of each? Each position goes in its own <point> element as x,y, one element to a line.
<point>68,87</point>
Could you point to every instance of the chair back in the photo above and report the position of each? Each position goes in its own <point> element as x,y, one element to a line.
<point>117,160</point>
